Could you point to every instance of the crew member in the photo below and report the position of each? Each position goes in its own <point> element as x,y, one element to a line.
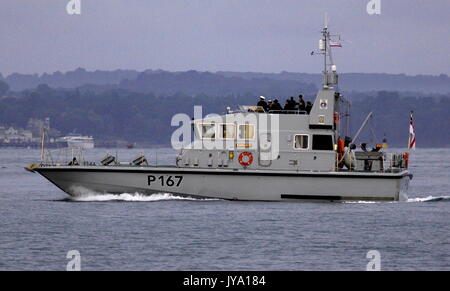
<point>308,107</point>
<point>276,105</point>
<point>301,103</point>
<point>262,102</point>
<point>269,105</point>
<point>288,105</point>
<point>294,105</point>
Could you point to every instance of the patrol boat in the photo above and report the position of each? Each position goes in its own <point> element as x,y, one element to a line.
<point>254,154</point>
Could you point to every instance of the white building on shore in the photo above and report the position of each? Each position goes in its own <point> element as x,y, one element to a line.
<point>13,135</point>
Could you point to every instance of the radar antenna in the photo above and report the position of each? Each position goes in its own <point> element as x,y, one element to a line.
<point>330,76</point>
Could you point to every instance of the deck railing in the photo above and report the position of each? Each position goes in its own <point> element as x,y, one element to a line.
<point>63,156</point>
<point>387,163</point>
<point>260,109</point>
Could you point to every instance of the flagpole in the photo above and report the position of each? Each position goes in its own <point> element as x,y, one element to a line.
<point>409,131</point>
<point>409,142</point>
<point>411,136</point>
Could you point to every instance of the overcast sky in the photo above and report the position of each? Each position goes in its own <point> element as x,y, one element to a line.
<point>409,36</point>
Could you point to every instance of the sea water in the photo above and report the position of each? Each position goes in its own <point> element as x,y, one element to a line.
<point>40,224</point>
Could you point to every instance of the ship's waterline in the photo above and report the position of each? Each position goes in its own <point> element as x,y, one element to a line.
<point>232,185</point>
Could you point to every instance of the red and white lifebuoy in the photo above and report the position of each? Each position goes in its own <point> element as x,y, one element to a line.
<point>246,159</point>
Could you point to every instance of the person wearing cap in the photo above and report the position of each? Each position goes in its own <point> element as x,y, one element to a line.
<point>270,105</point>
<point>262,102</point>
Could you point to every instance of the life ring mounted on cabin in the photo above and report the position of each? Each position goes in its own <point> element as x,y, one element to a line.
<point>246,159</point>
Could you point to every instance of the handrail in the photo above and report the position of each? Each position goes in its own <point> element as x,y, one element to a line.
<point>63,156</point>
<point>244,108</point>
<point>288,111</point>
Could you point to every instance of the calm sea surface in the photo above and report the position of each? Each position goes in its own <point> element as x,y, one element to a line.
<point>40,224</point>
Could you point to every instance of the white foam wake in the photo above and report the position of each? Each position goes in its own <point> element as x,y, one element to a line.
<point>361,202</point>
<point>416,199</point>
<point>86,195</point>
<point>135,197</point>
<point>429,199</point>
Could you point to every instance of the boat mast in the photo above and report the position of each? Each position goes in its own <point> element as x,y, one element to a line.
<point>330,77</point>
<point>325,38</point>
<point>329,70</point>
<point>325,47</point>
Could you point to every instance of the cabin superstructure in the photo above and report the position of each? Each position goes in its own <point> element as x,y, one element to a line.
<point>276,141</point>
<point>288,140</point>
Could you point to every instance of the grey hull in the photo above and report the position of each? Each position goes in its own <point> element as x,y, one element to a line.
<point>231,184</point>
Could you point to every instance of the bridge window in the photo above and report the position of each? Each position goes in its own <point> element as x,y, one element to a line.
<point>322,142</point>
<point>301,141</point>
<point>208,130</point>
<point>227,130</point>
<point>246,131</point>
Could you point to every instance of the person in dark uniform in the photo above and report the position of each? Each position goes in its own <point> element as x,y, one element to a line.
<point>288,105</point>
<point>301,103</point>
<point>74,162</point>
<point>294,104</point>
<point>276,105</point>
<point>262,102</point>
<point>308,107</point>
<point>269,105</point>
